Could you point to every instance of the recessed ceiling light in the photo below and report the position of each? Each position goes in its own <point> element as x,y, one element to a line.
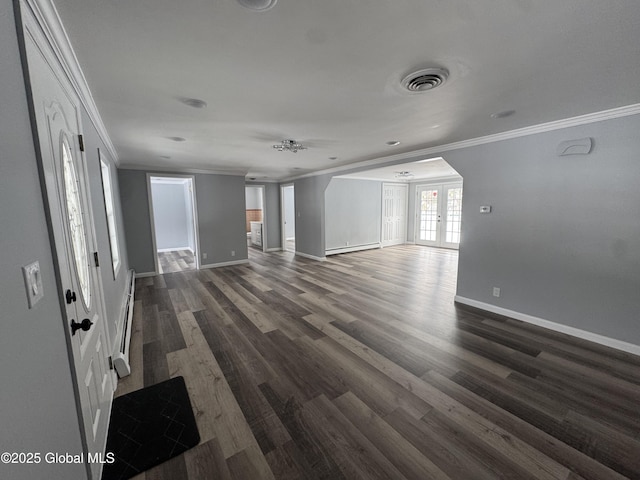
<point>333,158</point>
<point>503,114</point>
<point>177,139</point>
<point>165,156</point>
<point>194,102</point>
<point>435,126</point>
<point>258,5</point>
<point>393,143</point>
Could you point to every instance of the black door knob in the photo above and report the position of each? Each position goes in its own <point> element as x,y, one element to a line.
<point>85,325</point>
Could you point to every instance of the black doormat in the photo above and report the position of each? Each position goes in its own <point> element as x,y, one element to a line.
<point>148,427</point>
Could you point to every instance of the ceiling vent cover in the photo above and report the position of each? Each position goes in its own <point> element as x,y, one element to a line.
<point>258,5</point>
<point>426,79</point>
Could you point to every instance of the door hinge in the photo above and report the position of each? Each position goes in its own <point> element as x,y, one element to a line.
<point>95,259</point>
<point>110,362</point>
<point>81,142</point>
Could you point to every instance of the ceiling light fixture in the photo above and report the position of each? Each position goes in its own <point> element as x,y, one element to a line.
<point>177,139</point>
<point>393,143</point>
<point>290,145</point>
<point>194,102</point>
<point>258,5</point>
<point>425,79</point>
<point>405,175</point>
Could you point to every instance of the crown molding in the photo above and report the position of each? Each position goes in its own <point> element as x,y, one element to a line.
<point>177,171</point>
<point>45,17</point>
<point>586,119</point>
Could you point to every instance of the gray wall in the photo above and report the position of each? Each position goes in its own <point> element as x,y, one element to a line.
<point>170,215</point>
<point>309,200</point>
<point>37,403</point>
<point>353,210</point>
<point>136,219</point>
<point>563,239</point>
<point>221,218</point>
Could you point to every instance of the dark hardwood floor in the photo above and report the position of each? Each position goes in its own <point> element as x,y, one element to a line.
<point>363,367</point>
<point>176,261</point>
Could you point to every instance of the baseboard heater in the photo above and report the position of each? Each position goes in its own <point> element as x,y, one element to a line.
<point>121,356</point>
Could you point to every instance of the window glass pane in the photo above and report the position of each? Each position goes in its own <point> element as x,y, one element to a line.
<point>111,220</point>
<point>75,219</point>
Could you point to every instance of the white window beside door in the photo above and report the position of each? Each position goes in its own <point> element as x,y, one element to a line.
<point>111,219</point>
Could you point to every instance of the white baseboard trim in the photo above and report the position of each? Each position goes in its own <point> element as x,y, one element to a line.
<point>557,327</point>
<point>335,251</point>
<point>225,264</point>
<point>145,274</point>
<point>174,249</point>
<point>274,249</point>
<point>410,243</point>
<point>312,257</point>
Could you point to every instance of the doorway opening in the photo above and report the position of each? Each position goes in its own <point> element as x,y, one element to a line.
<point>174,225</point>
<point>287,197</point>
<point>256,224</point>
<point>439,215</point>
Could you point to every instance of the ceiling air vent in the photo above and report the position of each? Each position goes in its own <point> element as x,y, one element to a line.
<point>426,79</point>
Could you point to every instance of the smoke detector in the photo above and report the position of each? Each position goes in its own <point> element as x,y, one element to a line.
<point>258,5</point>
<point>425,79</point>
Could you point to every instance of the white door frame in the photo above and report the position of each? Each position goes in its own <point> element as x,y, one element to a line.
<point>263,193</point>
<point>194,209</point>
<point>282,214</point>
<point>406,213</point>
<point>442,188</point>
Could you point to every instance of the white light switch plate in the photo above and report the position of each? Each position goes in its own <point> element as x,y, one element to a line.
<point>485,209</point>
<point>33,283</point>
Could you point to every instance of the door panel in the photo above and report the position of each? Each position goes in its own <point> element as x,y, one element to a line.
<point>57,118</point>
<point>394,214</point>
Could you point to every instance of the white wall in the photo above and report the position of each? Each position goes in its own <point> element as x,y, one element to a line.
<point>171,215</point>
<point>253,198</point>
<point>289,212</point>
<point>353,211</point>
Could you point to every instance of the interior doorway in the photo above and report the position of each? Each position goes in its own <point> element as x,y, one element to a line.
<point>256,221</point>
<point>287,197</point>
<point>174,225</point>
<point>439,215</point>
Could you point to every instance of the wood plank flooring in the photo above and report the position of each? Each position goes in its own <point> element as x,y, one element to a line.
<point>176,261</point>
<point>362,367</point>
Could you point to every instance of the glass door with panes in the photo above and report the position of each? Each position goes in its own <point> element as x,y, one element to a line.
<point>439,215</point>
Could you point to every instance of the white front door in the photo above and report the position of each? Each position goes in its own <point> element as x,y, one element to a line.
<point>394,214</point>
<point>57,112</point>
<point>439,215</point>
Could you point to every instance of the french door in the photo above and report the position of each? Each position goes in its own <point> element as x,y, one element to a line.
<point>439,215</point>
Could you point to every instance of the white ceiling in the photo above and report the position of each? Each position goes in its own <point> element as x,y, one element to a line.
<point>429,168</point>
<point>326,73</point>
